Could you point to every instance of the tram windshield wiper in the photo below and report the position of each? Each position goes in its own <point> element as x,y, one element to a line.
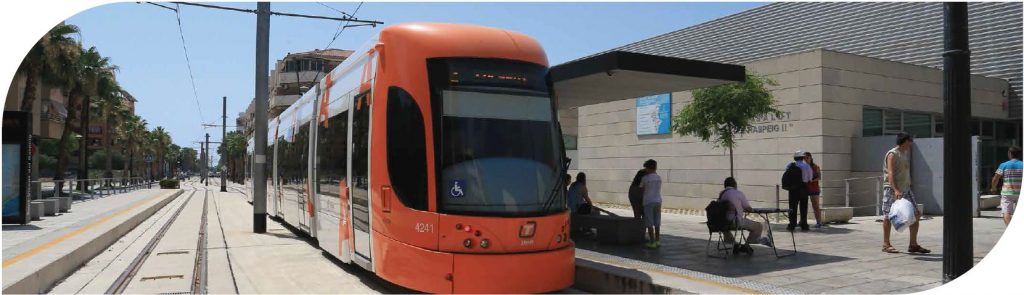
<point>558,185</point>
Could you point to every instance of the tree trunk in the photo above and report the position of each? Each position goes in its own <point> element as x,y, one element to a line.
<point>109,163</point>
<point>83,148</point>
<point>131,160</point>
<point>29,97</point>
<point>731,169</point>
<point>65,139</point>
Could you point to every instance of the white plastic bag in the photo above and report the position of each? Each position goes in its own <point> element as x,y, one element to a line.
<point>902,214</point>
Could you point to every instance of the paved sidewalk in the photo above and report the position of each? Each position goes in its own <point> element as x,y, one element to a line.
<point>40,253</point>
<point>840,258</point>
<point>16,236</point>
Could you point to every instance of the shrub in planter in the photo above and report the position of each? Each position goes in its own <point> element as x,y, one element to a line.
<point>169,183</point>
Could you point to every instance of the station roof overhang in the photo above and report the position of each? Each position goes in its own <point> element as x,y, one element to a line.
<point>618,75</point>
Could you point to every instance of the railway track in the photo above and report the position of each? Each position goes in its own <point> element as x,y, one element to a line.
<point>197,283</point>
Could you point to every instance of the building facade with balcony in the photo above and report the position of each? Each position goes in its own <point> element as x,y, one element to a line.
<point>292,76</point>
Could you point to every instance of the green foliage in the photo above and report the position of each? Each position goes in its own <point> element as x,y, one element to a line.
<point>98,158</point>
<point>719,114</point>
<point>168,183</point>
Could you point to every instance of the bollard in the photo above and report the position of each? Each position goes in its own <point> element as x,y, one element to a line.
<point>847,181</point>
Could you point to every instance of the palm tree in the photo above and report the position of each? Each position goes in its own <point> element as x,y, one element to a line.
<point>161,139</point>
<point>49,60</point>
<point>173,155</point>
<point>112,110</point>
<point>130,134</point>
<point>147,146</point>
<point>92,74</point>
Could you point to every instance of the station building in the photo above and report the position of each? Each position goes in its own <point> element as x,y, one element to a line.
<point>845,72</point>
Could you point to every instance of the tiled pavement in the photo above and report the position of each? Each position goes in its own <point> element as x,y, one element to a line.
<point>840,258</point>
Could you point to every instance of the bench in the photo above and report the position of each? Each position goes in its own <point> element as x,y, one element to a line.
<point>611,228</point>
<point>63,204</point>
<point>49,206</point>
<point>35,211</point>
<point>986,202</point>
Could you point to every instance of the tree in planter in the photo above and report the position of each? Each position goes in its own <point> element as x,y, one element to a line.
<point>719,114</point>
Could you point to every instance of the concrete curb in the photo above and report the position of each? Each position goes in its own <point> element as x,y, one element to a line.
<point>599,278</point>
<point>602,273</point>
<point>42,279</point>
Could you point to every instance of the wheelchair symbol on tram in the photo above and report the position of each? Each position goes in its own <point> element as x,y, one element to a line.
<point>456,189</point>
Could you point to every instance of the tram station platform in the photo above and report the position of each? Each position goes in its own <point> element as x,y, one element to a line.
<point>38,254</point>
<point>200,240</point>
<point>837,258</point>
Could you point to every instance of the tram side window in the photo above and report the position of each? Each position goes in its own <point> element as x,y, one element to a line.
<point>268,167</point>
<point>332,155</point>
<point>295,159</point>
<point>407,156</point>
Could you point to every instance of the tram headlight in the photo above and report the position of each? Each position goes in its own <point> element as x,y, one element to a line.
<point>485,243</point>
<point>468,243</point>
<point>558,238</point>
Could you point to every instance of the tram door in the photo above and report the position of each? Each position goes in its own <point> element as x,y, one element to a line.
<point>360,143</point>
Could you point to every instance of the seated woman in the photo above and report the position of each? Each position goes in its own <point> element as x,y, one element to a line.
<point>579,199</point>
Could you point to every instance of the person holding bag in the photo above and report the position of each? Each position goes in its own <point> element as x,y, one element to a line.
<point>896,178</point>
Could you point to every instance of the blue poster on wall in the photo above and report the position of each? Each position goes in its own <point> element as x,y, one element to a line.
<point>653,114</point>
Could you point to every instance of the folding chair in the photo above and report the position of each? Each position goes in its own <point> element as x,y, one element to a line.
<point>722,245</point>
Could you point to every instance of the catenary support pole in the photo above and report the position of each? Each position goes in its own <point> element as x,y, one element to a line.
<point>957,227</point>
<point>206,162</point>
<point>259,200</point>
<point>223,148</point>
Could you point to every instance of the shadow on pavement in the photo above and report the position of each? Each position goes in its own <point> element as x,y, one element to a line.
<point>689,253</point>
<point>21,227</point>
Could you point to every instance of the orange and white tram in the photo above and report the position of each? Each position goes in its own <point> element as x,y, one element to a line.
<point>432,157</point>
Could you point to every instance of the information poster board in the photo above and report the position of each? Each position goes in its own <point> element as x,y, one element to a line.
<point>653,114</point>
<point>16,140</point>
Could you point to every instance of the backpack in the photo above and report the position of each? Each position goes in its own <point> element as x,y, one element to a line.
<point>716,211</point>
<point>793,177</point>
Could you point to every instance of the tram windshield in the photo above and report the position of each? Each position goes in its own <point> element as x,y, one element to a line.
<point>498,147</point>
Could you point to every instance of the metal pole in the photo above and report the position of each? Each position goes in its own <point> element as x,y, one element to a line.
<point>259,201</point>
<point>957,227</point>
<point>206,162</point>
<point>202,159</point>
<point>224,149</point>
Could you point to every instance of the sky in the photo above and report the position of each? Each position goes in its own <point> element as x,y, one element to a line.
<point>144,41</point>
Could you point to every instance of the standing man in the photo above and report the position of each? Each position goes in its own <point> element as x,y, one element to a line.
<point>896,186</point>
<point>798,191</point>
<point>1010,173</point>
<point>651,184</point>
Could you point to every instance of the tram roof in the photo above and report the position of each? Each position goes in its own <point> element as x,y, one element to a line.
<point>618,75</point>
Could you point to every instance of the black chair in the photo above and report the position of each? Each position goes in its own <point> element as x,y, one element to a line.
<point>721,227</point>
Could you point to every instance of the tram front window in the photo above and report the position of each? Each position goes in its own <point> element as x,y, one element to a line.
<point>498,144</point>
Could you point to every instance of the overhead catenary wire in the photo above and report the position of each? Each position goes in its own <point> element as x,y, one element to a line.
<point>337,32</point>
<point>370,22</point>
<point>339,11</point>
<point>188,63</point>
<point>341,27</point>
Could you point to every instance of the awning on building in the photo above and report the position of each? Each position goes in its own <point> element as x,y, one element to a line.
<point>620,75</point>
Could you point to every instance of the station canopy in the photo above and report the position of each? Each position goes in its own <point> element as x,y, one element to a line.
<point>618,75</point>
